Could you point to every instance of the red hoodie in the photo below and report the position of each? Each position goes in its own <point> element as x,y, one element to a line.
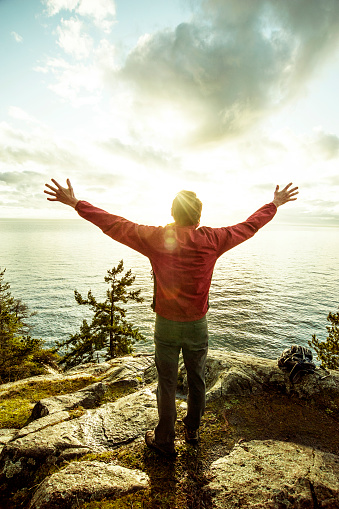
<point>182,257</point>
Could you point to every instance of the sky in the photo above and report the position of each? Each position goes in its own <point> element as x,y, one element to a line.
<point>135,100</point>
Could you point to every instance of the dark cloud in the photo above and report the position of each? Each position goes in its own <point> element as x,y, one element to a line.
<point>23,189</point>
<point>320,212</point>
<point>320,218</point>
<point>235,62</point>
<point>21,149</point>
<point>47,156</point>
<point>20,178</point>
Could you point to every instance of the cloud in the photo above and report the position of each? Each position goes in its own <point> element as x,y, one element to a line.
<point>218,76</point>
<point>72,39</point>
<point>55,6</point>
<point>78,83</point>
<point>145,155</point>
<point>21,178</point>
<point>101,12</point>
<point>234,63</point>
<point>213,78</point>
<point>30,158</point>
<point>51,156</point>
<point>326,144</point>
<point>320,212</point>
<point>17,37</point>
<point>334,181</point>
<point>22,115</point>
<point>19,148</point>
<point>22,189</point>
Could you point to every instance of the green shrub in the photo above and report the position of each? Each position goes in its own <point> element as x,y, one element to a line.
<point>108,331</point>
<point>328,351</point>
<point>21,356</point>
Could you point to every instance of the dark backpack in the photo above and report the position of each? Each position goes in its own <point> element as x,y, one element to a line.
<point>297,360</point>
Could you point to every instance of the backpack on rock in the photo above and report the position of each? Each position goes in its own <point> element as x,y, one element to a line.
<point>297,360</point>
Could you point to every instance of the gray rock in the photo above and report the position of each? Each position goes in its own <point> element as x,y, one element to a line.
<point>21,457</point>
<point>275,475</point>
<point>130,370</point>
<point>123,371</point>
<point>42,423</point>
<point>52,435</point>
<point>120,422</point>
<point>98,430</point>
<point>231,373</point>
<point>235,374</point>
<point>89,397</point>
<point>92,368</point>
<point>84,481</point>
<point>6,435</point>
<point>138,363</point>
<point>55,435</point>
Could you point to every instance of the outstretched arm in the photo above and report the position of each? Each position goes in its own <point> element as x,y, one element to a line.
<point>282,197</point>
<point>62,194</point>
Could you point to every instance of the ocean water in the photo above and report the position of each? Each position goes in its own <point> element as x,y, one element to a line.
<point>274,290</point>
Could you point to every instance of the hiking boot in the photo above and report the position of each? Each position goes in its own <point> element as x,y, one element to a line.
<point>151,443</point>
<point>191,435</point>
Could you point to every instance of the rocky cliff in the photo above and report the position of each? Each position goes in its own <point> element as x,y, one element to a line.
<point>265,443</point>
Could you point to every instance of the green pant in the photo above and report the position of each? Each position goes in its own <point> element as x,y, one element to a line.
<point>170,338</point>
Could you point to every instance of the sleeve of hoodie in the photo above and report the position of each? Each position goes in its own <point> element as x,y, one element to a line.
<point>133,235</point>
<point>230,236</point>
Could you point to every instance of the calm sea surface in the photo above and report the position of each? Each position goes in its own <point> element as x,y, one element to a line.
<point>274,290</point>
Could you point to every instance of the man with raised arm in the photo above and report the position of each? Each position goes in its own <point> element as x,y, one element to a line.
<point>182,256</point>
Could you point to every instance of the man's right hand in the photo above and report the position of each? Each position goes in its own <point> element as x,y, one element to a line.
<point>281,197</point>
<point>62,194</point>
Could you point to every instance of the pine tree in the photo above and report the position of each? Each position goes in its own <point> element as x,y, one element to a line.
<point>20,354</point>
<point>328,351</point>
<point>108,329</point>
